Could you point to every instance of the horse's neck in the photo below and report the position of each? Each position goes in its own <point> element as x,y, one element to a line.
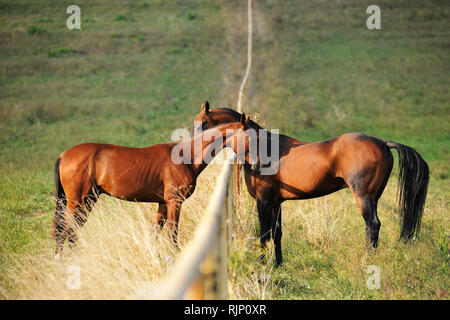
<point>289,140</point>
<point>198,154</point>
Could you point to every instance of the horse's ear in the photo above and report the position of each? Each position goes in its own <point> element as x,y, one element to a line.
<point>205,107</point>
<point>243,118</point>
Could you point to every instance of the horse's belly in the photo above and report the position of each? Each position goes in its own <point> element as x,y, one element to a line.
<point>139,196</point>
<point>128,177</point>
<point>311,188</point>
<point>145,197</point>
<point>133,188</point>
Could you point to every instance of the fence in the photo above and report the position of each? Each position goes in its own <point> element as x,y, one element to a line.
<point>201,271</point>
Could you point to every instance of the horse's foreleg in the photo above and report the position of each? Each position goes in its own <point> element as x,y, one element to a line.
<point>173,215</point>
<point>265,221</point>
<point>276,232</point>
<point>161,215</point>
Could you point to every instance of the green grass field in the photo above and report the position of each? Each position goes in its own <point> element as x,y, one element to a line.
<point>138,70</point>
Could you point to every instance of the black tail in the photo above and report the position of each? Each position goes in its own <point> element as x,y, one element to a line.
<point>413,184</point>
<point>60,200</point>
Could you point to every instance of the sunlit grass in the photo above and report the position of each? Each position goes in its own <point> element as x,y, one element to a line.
<point>325,255</point>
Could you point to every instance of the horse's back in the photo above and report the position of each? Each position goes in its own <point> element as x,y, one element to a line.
<point>306,170</point>
<point>79,157</point>
<point>105,150</point>
<point>80,150</point>
<point>359,146</point>
<point>319,168</point>
<point>125,172</point>
<point>84,156</point>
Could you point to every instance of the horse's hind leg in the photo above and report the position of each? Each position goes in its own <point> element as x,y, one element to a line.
<point>367,186</point>
<point>373,224</point>
<point>64,225</point>
<point>80,217</point>
<point>58,229</point>
<point>368,205</point>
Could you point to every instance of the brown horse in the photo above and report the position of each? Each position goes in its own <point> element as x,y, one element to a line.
<point>308,170</point>
<point>134,174</point>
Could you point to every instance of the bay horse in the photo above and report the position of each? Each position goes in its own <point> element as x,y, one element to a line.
<point>309,170</point>
<point>85,171</point>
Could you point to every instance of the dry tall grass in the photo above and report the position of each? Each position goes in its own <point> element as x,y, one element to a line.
<point>322,221</point>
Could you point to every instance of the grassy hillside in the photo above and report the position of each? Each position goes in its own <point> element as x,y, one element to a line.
<point>138,70</point>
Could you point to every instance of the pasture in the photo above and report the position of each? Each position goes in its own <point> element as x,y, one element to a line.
<point>136,71</point>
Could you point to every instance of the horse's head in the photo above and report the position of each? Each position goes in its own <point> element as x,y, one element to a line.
<point>209,118</point>
<point>240,139</point>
